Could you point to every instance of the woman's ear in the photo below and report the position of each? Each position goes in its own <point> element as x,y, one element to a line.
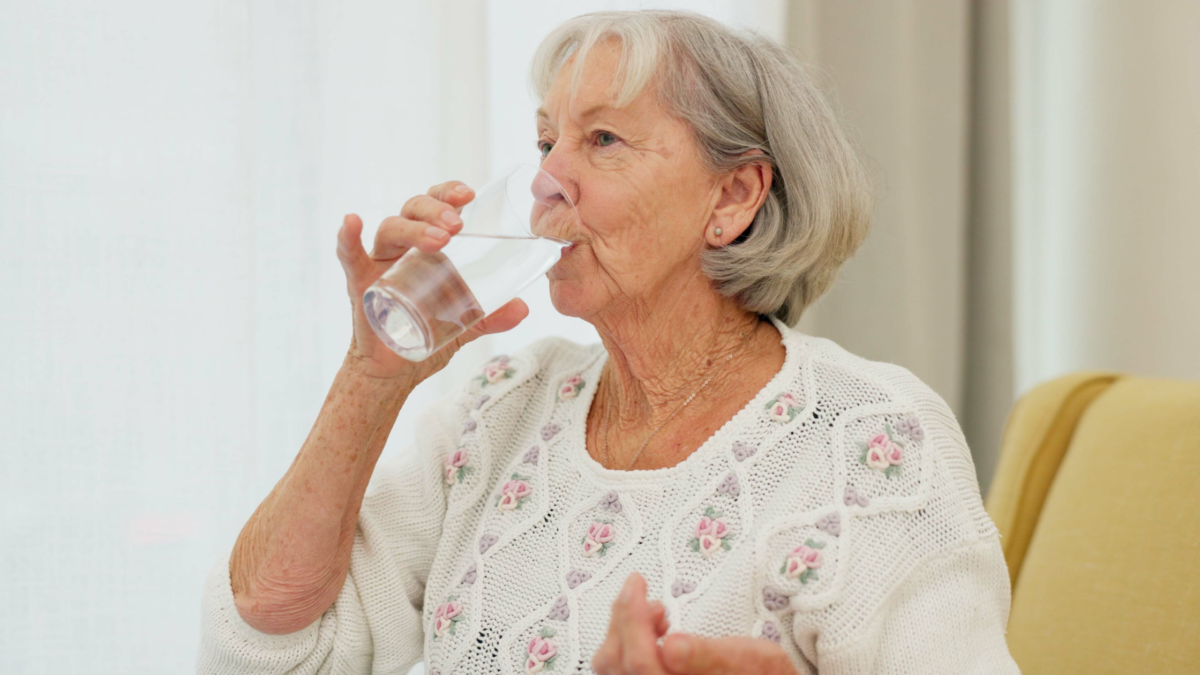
<point>743,192</point>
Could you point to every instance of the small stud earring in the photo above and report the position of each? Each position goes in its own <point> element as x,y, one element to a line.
<point>717,232</point>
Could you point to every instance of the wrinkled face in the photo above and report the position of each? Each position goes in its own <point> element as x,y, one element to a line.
<point>642,191</point>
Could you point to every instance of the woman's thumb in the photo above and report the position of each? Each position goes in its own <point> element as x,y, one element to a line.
<point>506,318</point>
<point>350,251</point>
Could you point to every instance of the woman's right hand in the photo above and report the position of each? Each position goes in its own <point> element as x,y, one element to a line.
<point>426,222</point>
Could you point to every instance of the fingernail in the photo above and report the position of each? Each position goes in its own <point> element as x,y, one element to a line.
<point>437,233</point>
<point>462,189</point>
<point>450,218</point>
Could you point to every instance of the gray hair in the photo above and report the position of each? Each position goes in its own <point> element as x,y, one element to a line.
<point>741,93</point>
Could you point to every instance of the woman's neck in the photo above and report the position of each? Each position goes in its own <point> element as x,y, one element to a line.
<point>656,359</point>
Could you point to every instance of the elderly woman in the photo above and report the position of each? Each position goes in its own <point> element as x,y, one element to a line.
<point>707,490</point>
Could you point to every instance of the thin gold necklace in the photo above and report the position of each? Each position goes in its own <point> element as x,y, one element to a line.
<point>607,424</point>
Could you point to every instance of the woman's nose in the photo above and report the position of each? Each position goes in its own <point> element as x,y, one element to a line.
<point>558,180</point>
<point>548,190</point>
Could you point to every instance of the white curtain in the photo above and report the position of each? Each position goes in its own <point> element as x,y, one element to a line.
<point>173,177</point>
<point>1107,240</point>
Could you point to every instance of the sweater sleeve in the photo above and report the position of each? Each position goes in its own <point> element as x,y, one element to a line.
<point>375,624</point>
<point>948,616</point>
<point>928,589</point>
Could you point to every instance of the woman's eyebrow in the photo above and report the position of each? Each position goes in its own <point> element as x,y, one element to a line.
<point>543,117</point>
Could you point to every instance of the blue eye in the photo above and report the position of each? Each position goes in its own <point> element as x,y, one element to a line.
<point>605,138</point>
<point>545,149</point>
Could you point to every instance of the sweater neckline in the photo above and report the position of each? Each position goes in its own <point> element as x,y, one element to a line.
<point>577,447</point>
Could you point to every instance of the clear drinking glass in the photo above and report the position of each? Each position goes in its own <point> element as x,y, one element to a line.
<point>506,242</point>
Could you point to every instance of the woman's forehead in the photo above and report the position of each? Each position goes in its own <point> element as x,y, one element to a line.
<point>596,93</point>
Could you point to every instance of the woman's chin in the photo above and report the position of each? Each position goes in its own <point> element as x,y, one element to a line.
<point>568,297</point>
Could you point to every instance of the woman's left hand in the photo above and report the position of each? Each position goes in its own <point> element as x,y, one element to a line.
<point>631,647</point>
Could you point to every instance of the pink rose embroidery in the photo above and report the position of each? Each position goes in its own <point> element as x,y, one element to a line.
<point>496,370</point>
<point>541,652</point>
<point>513,493</point>
<point>446,616</point>
<point>570,388</point>
<point>598,538</point>
<point>784,407</point>
<point>883,452</point>
<point>456,466</point>
<point>803,561</point>
<point>712,533</point>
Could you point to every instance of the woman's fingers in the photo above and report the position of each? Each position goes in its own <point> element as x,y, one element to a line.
<point>455,193</point>
<point>426,222</point>
<point>607,659</point>
<point>658,617</point>
<point>432,211</point>
<point>638,635</point>
<point>695,655</point>
<point>398,234</point>
<point>633,631</point>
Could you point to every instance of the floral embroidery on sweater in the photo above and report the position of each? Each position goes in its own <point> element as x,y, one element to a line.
<point>803,561</point>
<point>560,611</point>
<point>883,452</point>
<point>487,541</point>
<point>729,485</point>
<point>711,533</point>
<point>496,370</point>
<point>541,652</point>
<point>456,466</point>
<point>853,496</point>
<point>469,425</point>
<point>783,408</point>
<point>743,450</point>
<point>598,538</point>
<point>514,493</point>
<point>446,616</point>
<point>550,430</point>
<point>680,587</point>
<point>773,599</point>
<point>531,456</point>
<point>576,577</point>
<point>770,632</point>
<point>470,575</point>
<point>570,388</point>
<point>911,427</point>
<point>831,523</point>
<point>611,501</point>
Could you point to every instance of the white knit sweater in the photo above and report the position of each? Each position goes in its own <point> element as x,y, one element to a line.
<point>837,513</point>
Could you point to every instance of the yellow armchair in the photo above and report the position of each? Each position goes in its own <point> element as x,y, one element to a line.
<point>1097,498</point>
